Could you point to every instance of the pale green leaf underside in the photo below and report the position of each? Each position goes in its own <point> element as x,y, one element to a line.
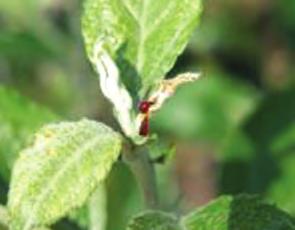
<point>154,220</point>
<point>59,170</point>
<point>241,212</point>
<point>19,118</point>
<point>145,36</point>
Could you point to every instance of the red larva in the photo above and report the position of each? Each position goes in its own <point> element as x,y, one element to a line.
<point>144,126</point>
<point>144,107</point>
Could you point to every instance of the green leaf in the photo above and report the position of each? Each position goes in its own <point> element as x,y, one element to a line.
<point>59,170</point>
<point>155,220</point>
<point>143,36</point>
<point>19,118</point>
<point>242,212</point>
<point>4,219</point>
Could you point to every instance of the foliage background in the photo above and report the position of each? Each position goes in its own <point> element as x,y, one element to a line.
<point>232,132</point>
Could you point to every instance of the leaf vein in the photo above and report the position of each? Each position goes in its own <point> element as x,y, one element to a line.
<point>130,10</point>
<point>161,18</point>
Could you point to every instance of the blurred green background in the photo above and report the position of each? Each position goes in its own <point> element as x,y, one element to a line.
<point>231,132</point>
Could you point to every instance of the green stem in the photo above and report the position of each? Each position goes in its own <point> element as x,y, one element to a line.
<point>144,173</point>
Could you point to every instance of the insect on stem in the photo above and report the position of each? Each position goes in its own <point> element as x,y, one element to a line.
<point>144,108</point>
<point>144,127</point>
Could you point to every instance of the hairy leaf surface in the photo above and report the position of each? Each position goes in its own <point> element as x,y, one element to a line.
<point>241,212</point>
<point>59,170</point>
<point>155,220</point>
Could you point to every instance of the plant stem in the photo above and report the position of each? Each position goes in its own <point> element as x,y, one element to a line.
<point>97,206</point>
<point>144,172</point>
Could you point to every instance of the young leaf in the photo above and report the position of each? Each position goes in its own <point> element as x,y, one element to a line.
<point>59,170</point>
<point>242,212</point>
<point>19,118</point>
<point>144,36</point>
<point>155,220</point>
<point>4,220</point>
